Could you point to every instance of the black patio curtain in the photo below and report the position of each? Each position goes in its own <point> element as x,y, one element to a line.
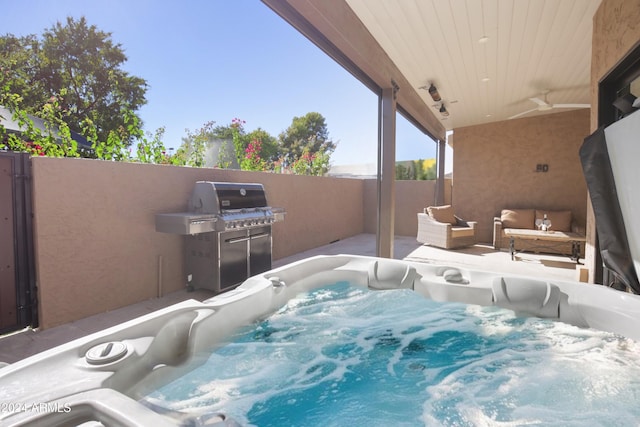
<point>612,235</point>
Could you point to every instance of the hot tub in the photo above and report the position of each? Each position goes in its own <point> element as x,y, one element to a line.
<point>101,378</point>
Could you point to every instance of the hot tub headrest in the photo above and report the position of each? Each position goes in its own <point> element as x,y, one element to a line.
<point>527,296</point>
<point>389,274</point>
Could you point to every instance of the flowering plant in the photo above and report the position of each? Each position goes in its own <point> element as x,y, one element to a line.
<point>53,140</point>
<point>252,160</point>
<point>152,149</point>
<point>311,163</point>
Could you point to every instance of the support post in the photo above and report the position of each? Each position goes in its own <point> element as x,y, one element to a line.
<point>440,173</point>
<point>386,171</point>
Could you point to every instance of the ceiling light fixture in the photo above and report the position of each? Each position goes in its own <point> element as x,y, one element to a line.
<point>483,39</point>
<point>444,111</point>
<point>433,91</point>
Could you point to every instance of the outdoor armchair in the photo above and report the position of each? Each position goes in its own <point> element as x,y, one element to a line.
<point>439,226</point>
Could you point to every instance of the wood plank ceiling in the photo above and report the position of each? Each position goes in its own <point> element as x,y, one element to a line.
<point>487,57</point>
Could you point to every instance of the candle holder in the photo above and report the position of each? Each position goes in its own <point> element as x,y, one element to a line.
<point>543,224</point>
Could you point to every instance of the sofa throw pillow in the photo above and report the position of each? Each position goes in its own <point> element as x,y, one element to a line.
<point>518,218</point>
<point>442,214</point>
<point>560,220</point>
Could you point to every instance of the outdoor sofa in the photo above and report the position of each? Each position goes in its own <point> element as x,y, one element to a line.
<point>561,220</point>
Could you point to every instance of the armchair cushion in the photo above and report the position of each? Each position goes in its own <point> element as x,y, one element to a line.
<point>442,214</point>
<point>457,232</point>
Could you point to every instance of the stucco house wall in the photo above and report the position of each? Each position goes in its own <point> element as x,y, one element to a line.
<point>495,166</point>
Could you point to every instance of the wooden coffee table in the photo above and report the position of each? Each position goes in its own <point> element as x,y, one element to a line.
<point>545,236</point>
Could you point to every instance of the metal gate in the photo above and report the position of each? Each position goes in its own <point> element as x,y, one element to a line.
<point>18,303</point>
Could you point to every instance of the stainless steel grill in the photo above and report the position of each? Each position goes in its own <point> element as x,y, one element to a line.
<point>228,233</point>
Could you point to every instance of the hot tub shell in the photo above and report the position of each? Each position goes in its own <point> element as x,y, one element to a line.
<point>101,377</point>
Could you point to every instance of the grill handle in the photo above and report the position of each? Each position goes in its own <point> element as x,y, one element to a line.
<point>259,236</point>
<point>237,239</point>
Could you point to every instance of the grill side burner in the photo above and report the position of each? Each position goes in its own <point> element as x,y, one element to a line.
<point>228,233</point>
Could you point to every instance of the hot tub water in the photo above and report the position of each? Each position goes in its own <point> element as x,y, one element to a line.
<point>346,356</point>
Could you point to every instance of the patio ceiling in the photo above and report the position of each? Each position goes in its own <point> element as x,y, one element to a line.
<point>486,57</point>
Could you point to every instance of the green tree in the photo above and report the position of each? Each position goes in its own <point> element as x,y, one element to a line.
<point>403,173</point>
<point>426,169</point>
<point>19,66</point>
<point>222,132</point>
<point>416,170</point>
<point>269,144</point>
<point>256,150</point>
<point>81,68</point>
<point>306,134</point>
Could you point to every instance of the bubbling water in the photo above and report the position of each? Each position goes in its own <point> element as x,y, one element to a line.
<point>347,356</point>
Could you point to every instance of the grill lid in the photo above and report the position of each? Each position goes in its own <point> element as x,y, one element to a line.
<point>221,206</point>
<point>217,197</point>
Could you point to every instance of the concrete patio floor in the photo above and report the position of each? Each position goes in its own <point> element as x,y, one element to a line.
<point>28,342</point>
<point>477,257</point>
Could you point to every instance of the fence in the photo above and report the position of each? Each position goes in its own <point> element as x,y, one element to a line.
<point>96,248</point>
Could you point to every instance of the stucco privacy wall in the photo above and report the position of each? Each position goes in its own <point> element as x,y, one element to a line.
<point>96,247</point>
<point>411,197</point>
<point>495,167</point>
<point>616,30</point>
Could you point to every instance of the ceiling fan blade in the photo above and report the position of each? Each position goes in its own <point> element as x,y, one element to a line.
<point>521,114</point>
<point>538,101</point>
<point>571,105</point>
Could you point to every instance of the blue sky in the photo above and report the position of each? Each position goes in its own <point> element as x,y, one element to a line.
<point>214,60</point>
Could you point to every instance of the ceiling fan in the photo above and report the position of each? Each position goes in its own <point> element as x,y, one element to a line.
<point>544,105</point>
